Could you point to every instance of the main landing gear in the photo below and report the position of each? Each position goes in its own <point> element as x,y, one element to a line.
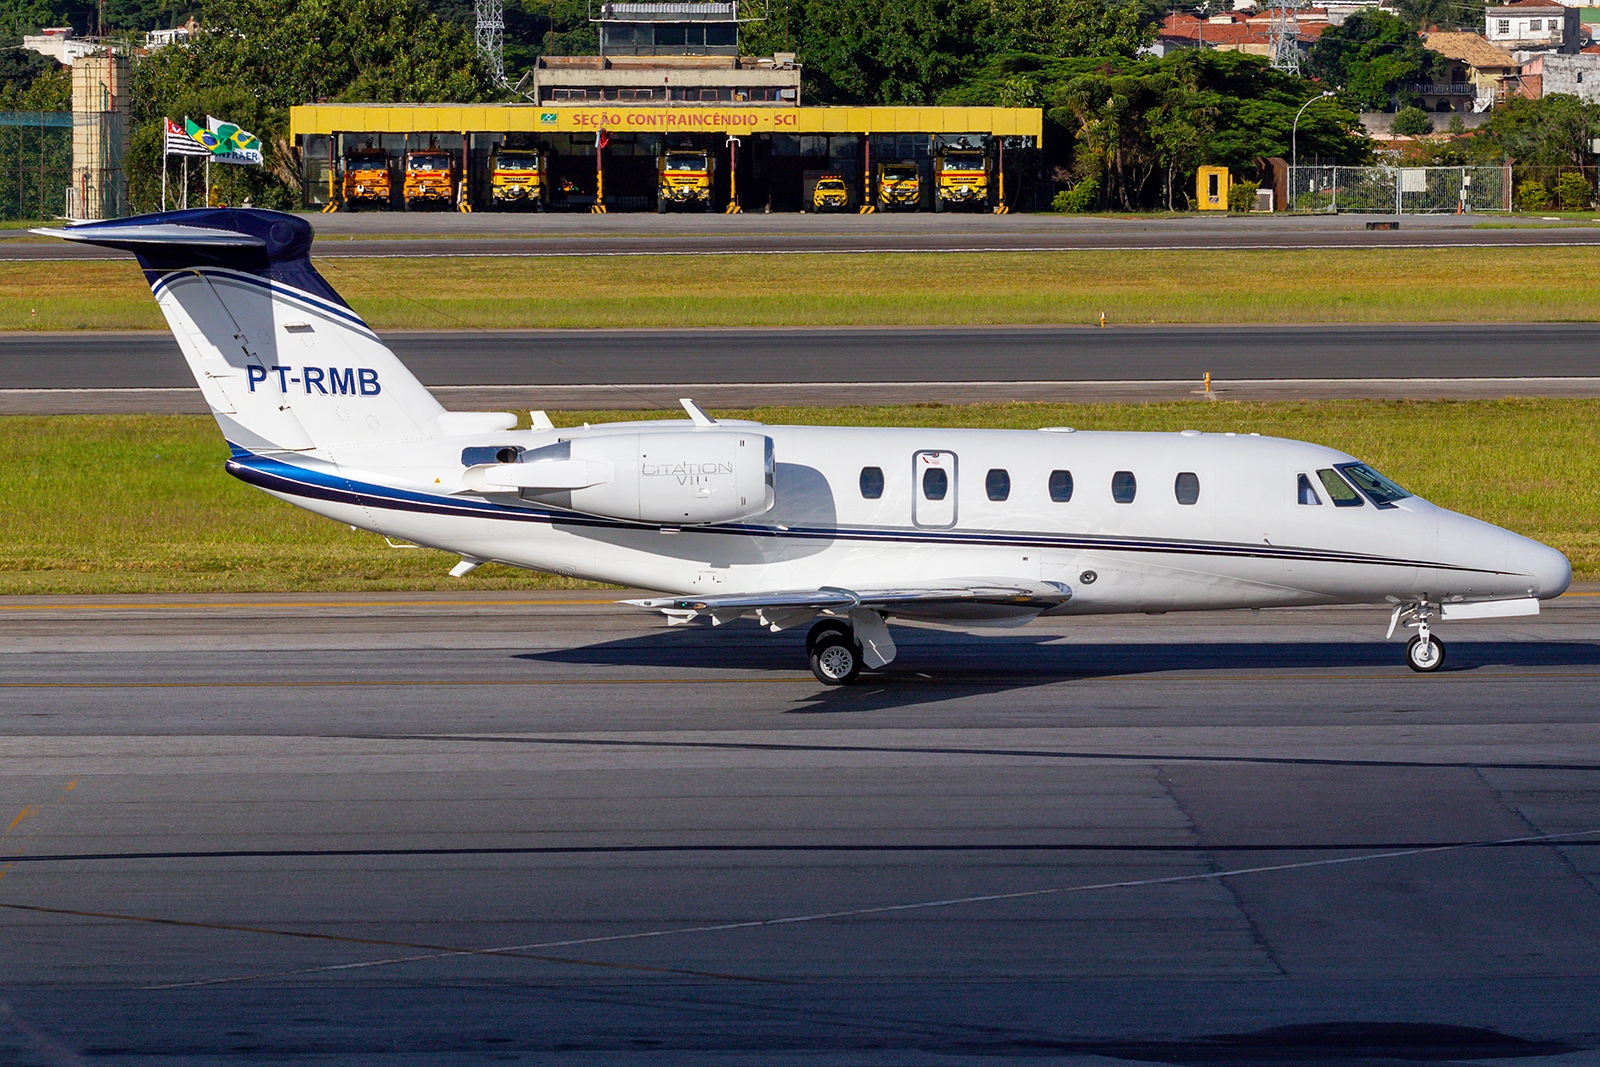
<point>834,652</point>
<point>1424,652</point>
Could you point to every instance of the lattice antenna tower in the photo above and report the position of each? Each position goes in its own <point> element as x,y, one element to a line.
<point>490,35</point>
<point>1283,49</point>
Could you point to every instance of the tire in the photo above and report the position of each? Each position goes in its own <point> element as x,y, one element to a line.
<point>1425,658</point>
<point>827,626</point>
<point>661,207</point>
<point>835,659</point>
<point>938,204</point>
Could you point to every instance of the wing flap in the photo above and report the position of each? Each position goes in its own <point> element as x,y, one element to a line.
<point>970,598</point>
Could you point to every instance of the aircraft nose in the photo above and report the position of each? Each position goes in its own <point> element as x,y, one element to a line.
<point>1549,569</point>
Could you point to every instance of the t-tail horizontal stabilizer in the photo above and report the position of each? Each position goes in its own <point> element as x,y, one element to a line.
<point>282,360</point>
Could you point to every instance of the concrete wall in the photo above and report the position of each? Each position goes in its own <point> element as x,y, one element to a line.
<point>99,188</point>
<point>1576,75</point>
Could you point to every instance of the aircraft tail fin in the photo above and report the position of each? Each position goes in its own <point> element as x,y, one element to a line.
<point>282,360</point>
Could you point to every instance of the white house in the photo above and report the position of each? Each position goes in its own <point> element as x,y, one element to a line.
<point>1533,26</point>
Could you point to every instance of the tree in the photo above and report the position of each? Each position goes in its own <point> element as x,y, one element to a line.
<point>1552,131</point>
<point>1370,58</point>
<point>1445,14</point>
<point>1411,122</point>
<point>254,59</point>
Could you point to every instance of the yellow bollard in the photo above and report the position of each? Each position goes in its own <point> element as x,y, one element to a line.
<point>1102,320</point>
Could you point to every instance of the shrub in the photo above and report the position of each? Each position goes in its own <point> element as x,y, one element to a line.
<point>1081,197</point>
<point>1533,196</point>
<point>1242,196</point>
<point>1410,122</point>
<point>1573,192</point>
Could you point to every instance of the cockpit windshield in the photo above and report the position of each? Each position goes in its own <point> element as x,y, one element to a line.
<point>1374,486</point>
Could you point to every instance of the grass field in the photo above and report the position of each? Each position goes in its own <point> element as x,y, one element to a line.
<point>1360,285</point>
<point>142,504</point>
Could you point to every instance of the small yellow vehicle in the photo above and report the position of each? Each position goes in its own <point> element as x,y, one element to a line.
<point>683,179</point>
<point>517,178</point>
<point>899,186</point>
<point>831,194</point>
<point>962,175</point>
<point>366,179</point>
<point>430,179</point>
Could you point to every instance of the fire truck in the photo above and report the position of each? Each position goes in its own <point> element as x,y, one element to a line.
<point>961,177</point>
<point>899,186</point>
<point>683,178</point>
<point>366,179</point>
<point>517,178</point>
<point>430,179</point>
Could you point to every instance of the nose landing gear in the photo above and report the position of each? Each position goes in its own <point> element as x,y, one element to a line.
<point>1424,652</point>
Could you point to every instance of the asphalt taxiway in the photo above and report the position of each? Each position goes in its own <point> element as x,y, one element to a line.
<point>486,827</point>
<point>406,234</point>
<point>59,373</point>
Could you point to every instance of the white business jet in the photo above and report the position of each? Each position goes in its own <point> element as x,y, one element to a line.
<point>835,529</point>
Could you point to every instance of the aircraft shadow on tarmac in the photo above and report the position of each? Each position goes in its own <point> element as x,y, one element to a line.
<point>1022,660</point>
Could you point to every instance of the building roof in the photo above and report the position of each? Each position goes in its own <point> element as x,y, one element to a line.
<point>1469,48</point>
<point>1231,29</point>
<point>1518,7</point>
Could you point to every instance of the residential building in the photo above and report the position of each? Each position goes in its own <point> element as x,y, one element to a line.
<point>1235,31</point>
<point>1554,72</point>
<point>1475,74</point>
<point>59,44</point>
<point>1533,26</point>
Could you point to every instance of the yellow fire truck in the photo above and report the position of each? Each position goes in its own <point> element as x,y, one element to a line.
<point>831,194</point>
<point>517,178</point>
<point>962,177</point>
<point>430,179</point>
<point>366,179</point>
<point>899,186</point>
<point>683,178</point>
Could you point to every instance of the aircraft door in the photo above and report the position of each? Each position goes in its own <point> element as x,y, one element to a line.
<point>933,489</point>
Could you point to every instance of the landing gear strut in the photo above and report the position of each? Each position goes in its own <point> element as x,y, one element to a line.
<point>834,653</point>
<point>1424,652</point>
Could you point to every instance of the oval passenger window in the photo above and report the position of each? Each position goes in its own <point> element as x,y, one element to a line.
<point>1123,487</point>
<point>1187,488</point>
<point>872,482</point>
<point>935,483</point>
<point>998,484</point>
<point>1061,486</point>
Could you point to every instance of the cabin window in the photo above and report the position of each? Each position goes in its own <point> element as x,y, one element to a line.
<point>935,483</point>
<point>1061,486</point>
<point>872,482</point>
<point>1374,486</point>
<point>1306,494</point>
<point>1123,487</point>
<point>997,484</point>
<point>1187,488</point>
<point>1339,490</point>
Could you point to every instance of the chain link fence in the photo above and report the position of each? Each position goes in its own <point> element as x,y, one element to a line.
<point>1399,190</point>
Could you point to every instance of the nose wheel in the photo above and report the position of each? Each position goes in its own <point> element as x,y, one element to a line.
<point>1425,653</point>
<point>834,653</point>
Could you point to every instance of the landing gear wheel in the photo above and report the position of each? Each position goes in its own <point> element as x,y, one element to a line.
<point>1425,654</point>
<point>835,658</point>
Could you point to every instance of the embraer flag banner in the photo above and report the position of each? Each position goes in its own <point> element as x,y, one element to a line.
<point>179,143</point>
<point>225,142</point>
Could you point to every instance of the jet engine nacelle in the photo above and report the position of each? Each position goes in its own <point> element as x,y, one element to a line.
<point>684,478</point>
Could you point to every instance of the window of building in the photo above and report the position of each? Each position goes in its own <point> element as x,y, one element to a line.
<point>1502,26</point>
<point>872,482</point>
<point>935,483</point>
<point>1187,488</point>
<point>998,484</point>
<point>1535,25</point>
<point>1339,490</point>
<point>1306,494</point>
<point>1061,486</point>
<point>1123,487</point>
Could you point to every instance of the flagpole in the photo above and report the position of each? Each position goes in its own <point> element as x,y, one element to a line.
<point>163,169</point>
<point>185,182</point>
<point>208,180</point>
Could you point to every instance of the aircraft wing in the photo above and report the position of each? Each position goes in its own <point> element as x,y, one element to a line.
<point>960,599</point>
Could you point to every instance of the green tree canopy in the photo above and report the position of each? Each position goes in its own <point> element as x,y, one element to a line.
<point>1554,130</point>
<point>1370,57</point>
